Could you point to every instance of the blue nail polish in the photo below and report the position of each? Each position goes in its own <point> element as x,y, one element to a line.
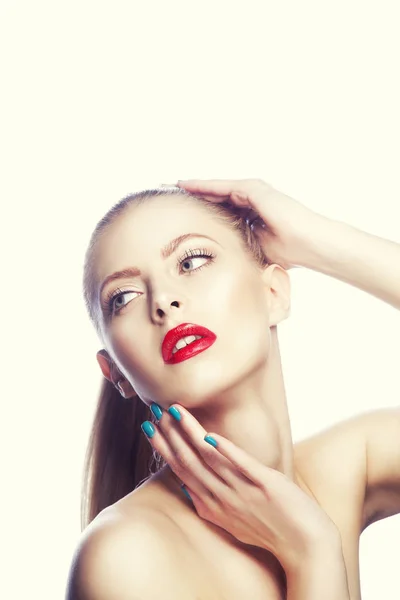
<point>175,413</point>
<point>148,429</point>
<point>184,490</point>
<point>156,410</point>
<point>211,440</point>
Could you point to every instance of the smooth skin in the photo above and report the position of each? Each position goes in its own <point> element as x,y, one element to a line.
<point>231,489</point>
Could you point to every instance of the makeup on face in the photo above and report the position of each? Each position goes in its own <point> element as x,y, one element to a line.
<point>184,341</point>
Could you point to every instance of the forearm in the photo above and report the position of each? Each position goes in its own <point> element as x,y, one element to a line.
<point>324,577</point>
<point>355,257</point>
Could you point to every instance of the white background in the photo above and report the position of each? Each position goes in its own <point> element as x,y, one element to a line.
<point>103,98</point>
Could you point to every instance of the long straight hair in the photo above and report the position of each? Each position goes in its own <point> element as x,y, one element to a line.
<point>118,458</point>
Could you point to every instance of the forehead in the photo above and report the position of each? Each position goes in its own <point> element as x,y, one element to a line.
<point>139,233</point>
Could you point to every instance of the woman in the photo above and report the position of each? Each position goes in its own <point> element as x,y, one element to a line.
<point>191,356</point>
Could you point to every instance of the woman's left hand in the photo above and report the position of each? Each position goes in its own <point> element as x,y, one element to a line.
<point>284,227</point>
<point>231,489</point>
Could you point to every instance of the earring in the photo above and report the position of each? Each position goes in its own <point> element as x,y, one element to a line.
<point>124,394</point>
<point>119,386</point>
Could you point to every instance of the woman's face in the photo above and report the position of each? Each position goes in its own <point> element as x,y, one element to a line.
<point>225,293</point>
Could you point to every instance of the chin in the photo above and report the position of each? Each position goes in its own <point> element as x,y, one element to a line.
<point>200,379</point>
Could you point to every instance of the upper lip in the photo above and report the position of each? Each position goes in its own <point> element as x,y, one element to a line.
<point>178,332</point>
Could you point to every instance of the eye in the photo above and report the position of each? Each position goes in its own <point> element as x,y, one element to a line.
<point>187,262</point>
<point>191,256</point>
<point>111,301</point>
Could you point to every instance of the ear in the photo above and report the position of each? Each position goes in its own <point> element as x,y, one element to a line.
<point>277,282</point>
<point>113,374</point>
<point>105,363</point>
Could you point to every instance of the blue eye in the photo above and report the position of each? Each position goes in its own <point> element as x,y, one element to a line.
<point>109,302</point>
<point>190,255</point>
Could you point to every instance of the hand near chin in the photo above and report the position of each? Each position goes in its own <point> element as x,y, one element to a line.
<point>283,225</point>
<point>254,503</point>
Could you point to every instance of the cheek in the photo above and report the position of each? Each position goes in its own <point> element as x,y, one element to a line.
<point>238,296</point>
<point>129,347</point>
<point>238,308</point>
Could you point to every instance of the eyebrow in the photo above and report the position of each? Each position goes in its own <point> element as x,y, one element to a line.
<point>166,251</point>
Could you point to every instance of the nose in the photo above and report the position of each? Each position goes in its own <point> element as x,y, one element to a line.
<point>160,312</point>
<point>163,304</point>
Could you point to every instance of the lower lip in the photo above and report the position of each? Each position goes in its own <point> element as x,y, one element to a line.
<point>191,350</point>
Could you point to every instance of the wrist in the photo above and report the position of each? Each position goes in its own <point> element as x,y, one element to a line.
<point>316,549</point>
<point>321,574</point>
<point>312,240</point>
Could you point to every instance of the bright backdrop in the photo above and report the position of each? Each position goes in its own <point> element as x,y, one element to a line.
<point>100,99</point>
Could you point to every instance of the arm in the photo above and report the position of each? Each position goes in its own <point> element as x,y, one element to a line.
<point>377,431</point>
<point>322,575</point>
<point>355,257</point>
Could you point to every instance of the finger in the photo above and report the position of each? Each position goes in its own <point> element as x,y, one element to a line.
<point>160,443</point>
<point>219,187</point>
<point>221,466</point>
<point>237,191</point>
<point>210,198</point>
<point>213,198</point>
<point>186,463</point>
<point>246,464</point>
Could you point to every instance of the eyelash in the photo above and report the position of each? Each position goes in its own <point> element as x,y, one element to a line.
<point>198,253</point>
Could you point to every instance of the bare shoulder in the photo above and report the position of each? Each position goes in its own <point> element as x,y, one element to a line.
<point>335,445</point>
<point>333,463</point>
<point>129,559</point>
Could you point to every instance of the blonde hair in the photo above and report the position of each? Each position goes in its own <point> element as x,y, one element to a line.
<point>118,457</point>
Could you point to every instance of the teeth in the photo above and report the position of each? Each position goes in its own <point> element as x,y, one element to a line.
<point>185,341</point>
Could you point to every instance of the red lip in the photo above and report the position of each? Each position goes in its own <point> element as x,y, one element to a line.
<point>182,330</point>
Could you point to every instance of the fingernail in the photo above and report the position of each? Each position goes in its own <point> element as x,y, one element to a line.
<point>184,490</point>
<point>211,440</point>
<point>148,429</point>
<point>156,410</point>
<point>175,413</point>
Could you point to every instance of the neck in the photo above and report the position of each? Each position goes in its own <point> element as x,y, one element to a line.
<point>254,415</point>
